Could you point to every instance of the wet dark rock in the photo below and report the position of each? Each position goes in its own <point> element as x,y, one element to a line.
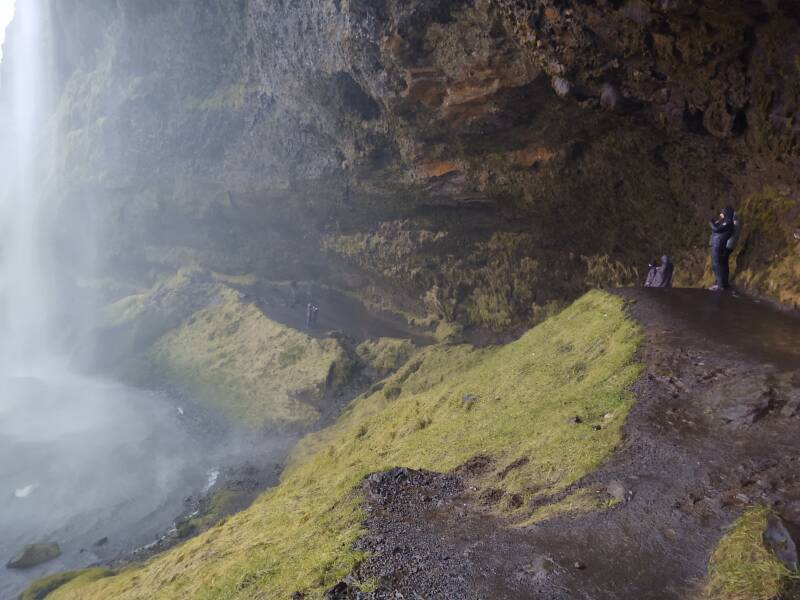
<point>609,97</point>
<point>579,565</point>
<point>561,86</point>
<point>101,542</point>
<point>792,406</point>
<point>491,496</point>
<point>617,491</point>
<point>748,411</point>
<point>792,511</point>
<point>341,591</point>
<point>477,465</point>
<point>778,539</point>
<point>515,501</point>
<point>576,420</point>
<point>34,555</point>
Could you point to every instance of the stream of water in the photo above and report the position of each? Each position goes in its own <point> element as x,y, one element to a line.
<point>81,459</point>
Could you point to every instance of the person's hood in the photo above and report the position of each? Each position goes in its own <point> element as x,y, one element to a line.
<point>728,213</point>
<point>665,260</point>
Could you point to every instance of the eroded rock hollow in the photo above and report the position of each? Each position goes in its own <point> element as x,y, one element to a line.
<point>474,161</point>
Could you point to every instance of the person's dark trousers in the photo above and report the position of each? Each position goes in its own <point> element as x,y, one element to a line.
<point>725,268</point>
<point>716,265</point>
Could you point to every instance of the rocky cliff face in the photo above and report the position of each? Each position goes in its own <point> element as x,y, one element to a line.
<point>472,160</point>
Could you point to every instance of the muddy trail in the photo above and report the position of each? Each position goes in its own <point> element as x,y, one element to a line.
<point>337,312</point>
<point>713,431</point>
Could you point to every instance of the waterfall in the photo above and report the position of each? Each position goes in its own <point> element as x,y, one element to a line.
<point>25,298</point>
<point>81,458</point>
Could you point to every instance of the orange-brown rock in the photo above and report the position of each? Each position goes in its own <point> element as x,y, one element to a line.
<point>437,169</point>
<point>425,85</point>
<point>531,155</point>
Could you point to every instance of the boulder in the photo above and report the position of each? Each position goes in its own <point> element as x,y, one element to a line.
<point>617,491</point>
<point>792,406</point>
<point>748,411</point>
<point>34,555</point>
<point>780,542</point>
<point>341,591</point>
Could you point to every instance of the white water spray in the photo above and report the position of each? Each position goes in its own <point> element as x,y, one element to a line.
<point>24,293</point>
<point>80,458</point>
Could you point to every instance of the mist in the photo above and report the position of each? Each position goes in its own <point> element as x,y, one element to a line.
<point>82,458</point>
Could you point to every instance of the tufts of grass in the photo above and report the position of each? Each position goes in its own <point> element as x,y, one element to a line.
<point>741,567</point>
<point>41,588</point>
<point>385,355</point>
<point>766,261</point>
<point>258,372</point>
<point>218,506</point>
<point>300,535</point>
<point>580,502</point>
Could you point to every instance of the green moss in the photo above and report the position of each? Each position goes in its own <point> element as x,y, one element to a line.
<point>385,355</point>
<point>741,567</point>
<point>767,258</point>
<point>165,305</point>
<point>581,502</point>
<point>291,356</point>
<point>258,372</point>
<point>299,536</point>
<point>391,392</point>
<point>40,588</point>
<point>217,507</point>
<point>33,555</point>
<point>603,271</point>
<point>447,331</point>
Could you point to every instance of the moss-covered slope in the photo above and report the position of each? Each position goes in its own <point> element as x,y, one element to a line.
<point>452,403</point>
<point>194,333</point>
<point>742,568</point>
<point>258,372</point>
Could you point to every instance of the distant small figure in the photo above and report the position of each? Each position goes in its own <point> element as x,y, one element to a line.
<point>312,312</point>
<point>651,273</point>
<point>722,230</point>
<point>293,294</point>
<point>660,274</point>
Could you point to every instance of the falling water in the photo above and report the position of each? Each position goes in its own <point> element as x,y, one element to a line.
<point>81,459</point>
<point>24,295</point>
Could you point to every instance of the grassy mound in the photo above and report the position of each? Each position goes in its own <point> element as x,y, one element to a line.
<point>452,403</point>
<point>258,372</point>
<point>70,579</point>
<point>741,567</point>
<point>385,355</point>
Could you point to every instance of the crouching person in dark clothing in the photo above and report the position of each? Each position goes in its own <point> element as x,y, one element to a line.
<point>660,275</point>
<point>721,231</point>
<point>652,266</point>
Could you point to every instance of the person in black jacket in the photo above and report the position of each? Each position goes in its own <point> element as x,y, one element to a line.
<point>721,231</point>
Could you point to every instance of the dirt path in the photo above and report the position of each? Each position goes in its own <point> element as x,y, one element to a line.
<point>337,312</point>
<point>714,430</point>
